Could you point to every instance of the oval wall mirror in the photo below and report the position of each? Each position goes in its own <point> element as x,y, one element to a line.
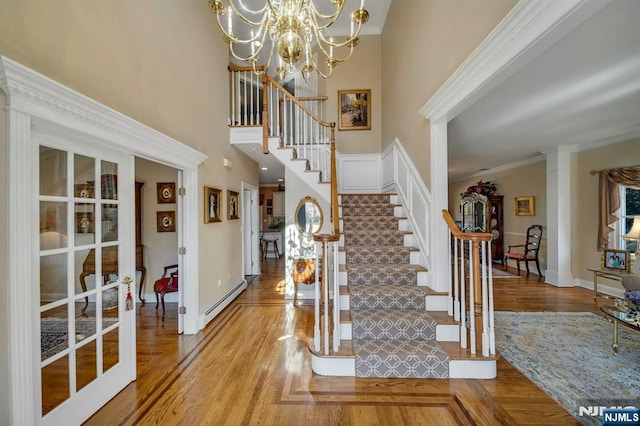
<point>308,216</point>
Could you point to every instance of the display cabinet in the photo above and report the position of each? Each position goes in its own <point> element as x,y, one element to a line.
<point>482,213</point>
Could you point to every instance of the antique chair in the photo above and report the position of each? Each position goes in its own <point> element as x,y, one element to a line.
<point>527,252</point>
<point>167,284</point>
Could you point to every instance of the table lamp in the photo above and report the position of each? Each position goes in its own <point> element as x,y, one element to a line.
<point>634,234</point>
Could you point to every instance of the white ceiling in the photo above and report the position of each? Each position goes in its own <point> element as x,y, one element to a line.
<point>377,15</point>
<point>584,91</point>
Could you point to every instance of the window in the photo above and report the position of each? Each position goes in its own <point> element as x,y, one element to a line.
<point>629,207</point>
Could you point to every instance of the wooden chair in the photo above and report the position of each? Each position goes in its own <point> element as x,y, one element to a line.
<point>167,284</point>
<point>527,252</point>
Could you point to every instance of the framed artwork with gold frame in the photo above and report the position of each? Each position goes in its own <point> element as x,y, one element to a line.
<point>233,205</point>
<point>354,109</point>
<point>525,206</point>
<point>212,203</point>
<point>615,260</point>
<point>166,221</point>
<point>166,192</point>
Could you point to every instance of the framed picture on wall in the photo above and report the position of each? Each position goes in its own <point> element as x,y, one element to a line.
<point>233,205</point>
<point>212,203</point>
<point>354,109</point>
<point>166,192</point>
<point>166,221</point>
<point>524,206</point>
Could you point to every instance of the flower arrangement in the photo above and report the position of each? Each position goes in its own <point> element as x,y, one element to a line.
<point>633,296</point>
<point>483,188</point>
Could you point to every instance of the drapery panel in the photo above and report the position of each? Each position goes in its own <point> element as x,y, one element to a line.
<point>609,198</point>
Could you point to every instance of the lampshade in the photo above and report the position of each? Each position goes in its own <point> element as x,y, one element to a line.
<point>634,233</point>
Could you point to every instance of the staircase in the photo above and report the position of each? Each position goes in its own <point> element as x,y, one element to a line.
<point>392,333</point>
<point>374,315</point>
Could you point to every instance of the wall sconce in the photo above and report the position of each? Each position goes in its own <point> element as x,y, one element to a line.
<point>227,163</point>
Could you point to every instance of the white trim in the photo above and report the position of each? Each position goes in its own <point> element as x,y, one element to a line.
<point>467,369</point>
<point>33,99</point>
<point>359,173</point>
<point>219,306</point>
<point>502,168</point>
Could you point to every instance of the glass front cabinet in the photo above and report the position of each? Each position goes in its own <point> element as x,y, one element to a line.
<point>482,213</point>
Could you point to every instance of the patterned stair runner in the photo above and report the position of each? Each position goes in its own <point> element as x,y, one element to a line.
<point>393,335</point>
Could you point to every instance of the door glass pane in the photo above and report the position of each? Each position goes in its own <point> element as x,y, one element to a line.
<point>55,384</point>
<point>110,349</point>
<point>84,176</point>
<point>109,180</point>
<point>110,303</point>
<point>86,365</point>
<point>53,225</point>
<point>85,224</point>
<point>85,324</point>
<point>53,278</point>
<point>53,172</point>
<point>109,264</point>
<point>85,261</point>
<point>54,332</point>
<point>109,222</point>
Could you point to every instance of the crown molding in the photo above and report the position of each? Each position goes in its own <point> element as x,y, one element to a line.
<point>45,99</point>
<point>514,165</point>
<point>527,30</point>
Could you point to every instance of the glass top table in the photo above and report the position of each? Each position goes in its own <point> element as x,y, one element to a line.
<point>616,316</point>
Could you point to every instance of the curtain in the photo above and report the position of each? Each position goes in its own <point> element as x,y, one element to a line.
<point>609,198</point>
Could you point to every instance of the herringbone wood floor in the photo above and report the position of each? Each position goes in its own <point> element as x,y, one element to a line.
<point>251,366</point>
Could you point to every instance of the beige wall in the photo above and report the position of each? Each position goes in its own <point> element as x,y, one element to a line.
<point>517,182</point>
<point>422,44</point>
<point>160,248</point>
<point>362,71</point>
<point>161,63</point>
<point>585,213</point>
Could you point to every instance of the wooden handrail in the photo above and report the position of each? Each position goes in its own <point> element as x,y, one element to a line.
<point>297,102</point>
<point>466,236</point>
<point>236,68</point>
<point>313,98</point>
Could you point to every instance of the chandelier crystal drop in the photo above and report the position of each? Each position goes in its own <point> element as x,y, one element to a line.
<point>293,29</point>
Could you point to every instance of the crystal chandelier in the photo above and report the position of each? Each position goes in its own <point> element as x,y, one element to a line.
<point>294,28</point>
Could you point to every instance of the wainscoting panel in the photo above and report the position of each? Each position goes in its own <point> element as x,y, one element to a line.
<point>359,173</point>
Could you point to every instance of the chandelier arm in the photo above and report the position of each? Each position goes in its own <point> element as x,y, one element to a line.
<point>242,16</point>
<point>332,17</point>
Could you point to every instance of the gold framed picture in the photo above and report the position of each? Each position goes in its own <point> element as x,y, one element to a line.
<point>166,192</point>
<point>354,109</point>
<point>233,205</point>
<point>525,206</point>
<point>166,221</point>
<point>615,260</point>
<point>212,202</point>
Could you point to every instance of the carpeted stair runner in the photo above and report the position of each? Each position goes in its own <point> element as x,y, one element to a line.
<point>393,335</point>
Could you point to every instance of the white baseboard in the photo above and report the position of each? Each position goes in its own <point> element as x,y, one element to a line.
<point>214,310</point>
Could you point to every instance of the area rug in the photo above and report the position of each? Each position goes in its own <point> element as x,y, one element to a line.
<point>499,273</point>
<point>569,356</point>
<point>53,333</point>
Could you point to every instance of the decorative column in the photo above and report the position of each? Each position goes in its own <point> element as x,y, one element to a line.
<point>439,237</point>
<point>558,271</point>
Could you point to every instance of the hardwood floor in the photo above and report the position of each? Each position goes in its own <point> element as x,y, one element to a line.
<point>251,365</point>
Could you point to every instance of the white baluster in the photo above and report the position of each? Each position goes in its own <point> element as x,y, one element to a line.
<point>486,262</point>
<point>463,301</point>
<point>492,335</point>
<point>472,313</point>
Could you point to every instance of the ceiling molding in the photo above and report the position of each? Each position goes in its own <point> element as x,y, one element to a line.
<point>504,167</point>
<point>528,29</point>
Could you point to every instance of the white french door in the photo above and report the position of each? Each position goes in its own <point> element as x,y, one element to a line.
<point>86,254</point>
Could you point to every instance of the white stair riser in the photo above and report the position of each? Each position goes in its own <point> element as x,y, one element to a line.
<point>344,302</point>
<point>447,333</point>
<point>333,366</point>
<point>436,302</point>
<point>466,369</point>
<point>345,331</point>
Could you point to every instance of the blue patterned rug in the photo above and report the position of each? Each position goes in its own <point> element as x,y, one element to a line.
<point>568,355</point>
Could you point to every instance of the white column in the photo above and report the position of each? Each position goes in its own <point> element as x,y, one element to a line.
<point>24,338</point>
<point>558,271</point>
<point>189,261</point>
<point>439,239</point>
